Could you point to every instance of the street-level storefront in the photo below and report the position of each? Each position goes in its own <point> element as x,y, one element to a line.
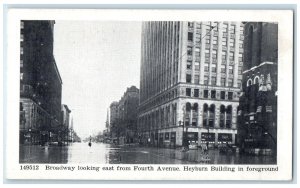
<point>172,138</point>
<point>224,138</point>
<point>36,123</point>
<point>208,137</point>
<point>192,139</point>
<point>159,139</point>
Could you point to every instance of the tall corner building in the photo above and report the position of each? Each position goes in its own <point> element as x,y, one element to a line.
<point>191,74</point>
<point>40,83</point>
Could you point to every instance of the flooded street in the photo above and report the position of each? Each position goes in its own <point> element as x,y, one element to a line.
<point>100,153</point>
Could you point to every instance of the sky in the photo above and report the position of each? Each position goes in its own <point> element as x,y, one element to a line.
<point>97,62</point>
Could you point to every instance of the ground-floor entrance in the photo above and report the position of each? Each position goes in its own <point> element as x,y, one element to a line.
<point>194,137</point>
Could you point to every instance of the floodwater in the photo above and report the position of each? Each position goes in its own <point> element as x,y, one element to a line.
<point>100,153</point>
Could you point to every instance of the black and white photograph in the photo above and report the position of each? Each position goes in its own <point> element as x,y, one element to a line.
<point>157,92</point>
<point>184,95</point>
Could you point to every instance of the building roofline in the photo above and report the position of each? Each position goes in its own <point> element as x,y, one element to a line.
<point>66,106</point>
<point>263,63</point>
<point>57,71</point>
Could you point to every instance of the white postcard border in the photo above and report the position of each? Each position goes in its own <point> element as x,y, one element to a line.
<point>285,92</point>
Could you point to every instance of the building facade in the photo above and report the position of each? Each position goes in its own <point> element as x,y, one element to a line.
<point>191,74</point>
<point>40,84</point>
<point>65,129</point>
<point>113,109</point>
<point>124,117</point>
<point>258,103</point>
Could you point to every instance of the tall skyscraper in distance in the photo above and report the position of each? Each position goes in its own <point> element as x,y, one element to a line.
<point>190,82</point>
<point>107,120</point>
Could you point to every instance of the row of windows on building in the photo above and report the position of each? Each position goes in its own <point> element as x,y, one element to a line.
<point>214,55</point>
<point>160,99</point>
<point>165,77</point>
<point>189,92</point>
<point>226,28</point>
<point>213,67</point>
<point>21,43</point>
<point>206,94</point>
<point>208,34</point>
<point>215,40</point>
<point>213,80</point>
<point>209,115</point>
<point>166,117</point>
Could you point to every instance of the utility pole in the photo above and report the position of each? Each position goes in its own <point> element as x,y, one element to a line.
<point>183,125</point>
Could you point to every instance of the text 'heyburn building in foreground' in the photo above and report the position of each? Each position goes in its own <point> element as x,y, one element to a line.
<point>191,75</point>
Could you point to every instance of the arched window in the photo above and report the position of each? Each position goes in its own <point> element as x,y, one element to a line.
<point>205,115</point>
<point>188,108</point>
<point>222,116</point>
<point>173,114</point>
<point>195,114</point>
<point>228,116</point>
<point>249,82</point>
<point>211,120</point>
<point>256,80</point>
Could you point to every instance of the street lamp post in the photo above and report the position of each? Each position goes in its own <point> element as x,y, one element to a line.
<point>207,134</point>
<point>30,136</point>
<point>183,125</point>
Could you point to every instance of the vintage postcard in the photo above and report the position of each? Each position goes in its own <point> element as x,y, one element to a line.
<point>149,94</point>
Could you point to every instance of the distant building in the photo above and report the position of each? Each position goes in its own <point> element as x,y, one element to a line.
<point>113,108</point>
<point>107,122</point>
<point>257,130</point>
<point>124,117</point>
<point>130,104</point>
<point>40,84</point>
<point>64,134</point>
<point>65,116</point>
<point>191,74</point>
